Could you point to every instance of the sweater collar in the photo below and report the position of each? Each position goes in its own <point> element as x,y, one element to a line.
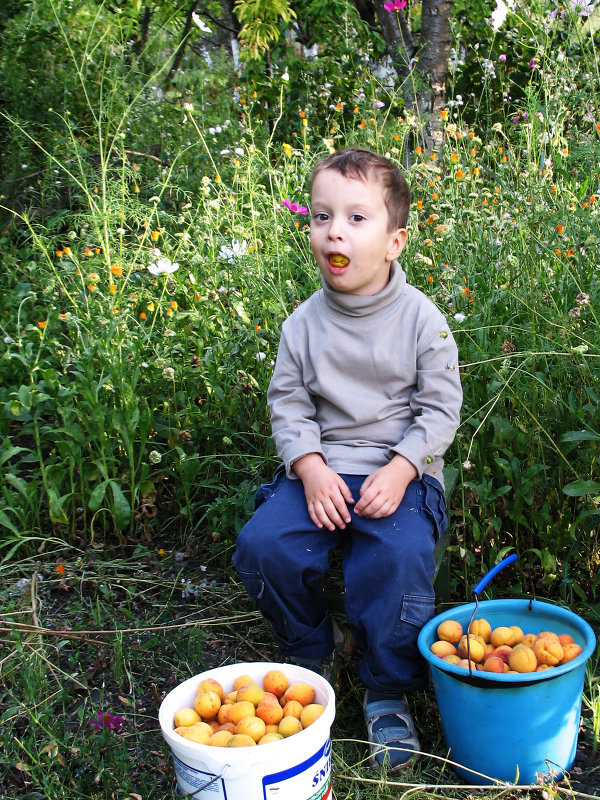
<point>355,305</point>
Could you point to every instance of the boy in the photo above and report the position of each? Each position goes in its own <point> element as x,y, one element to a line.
<point>364,401</point>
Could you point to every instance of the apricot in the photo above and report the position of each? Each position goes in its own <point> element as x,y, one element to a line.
<point>289,726</point>
<point>211,685</point>
<point>522,659</point>
<point>199,733</point>
<point>570,651</point>
<point>220,738</point>
<point>251,726</point>
<point>230,698</point>
<point>451,659</point>
<point>223,713</point>
<point>310,713</point>
<point>481,627</point>
<point>465,663</point>
<point>272,736</point>
<point>269,711</point>
<point>565,638</point>
<point>207,704</point>
<point>271,728</point>
<point>240,710</point>
<point>242,680</point>
<point>502,635</point>
<point>252,692</point>
<point>471,645</point>
<point>241,740</point>
<point>304,693</point>
<point>518,633</point>
<point>185,717</point>
<point>528,640</point>
<point>449,631</point>
<point>443,648</point>
<point>546,635</point>
<point>543,667</point>
<point>292,709</point>
<point>494,664</point>
<point>548,650</point>
<point>227,726</point>
<point>275,682</point>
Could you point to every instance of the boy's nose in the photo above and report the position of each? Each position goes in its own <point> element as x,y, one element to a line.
<point>335,230</point>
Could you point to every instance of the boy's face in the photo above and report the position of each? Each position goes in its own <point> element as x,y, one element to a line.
<point>349,220</point>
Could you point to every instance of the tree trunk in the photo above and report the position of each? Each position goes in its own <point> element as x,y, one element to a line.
<point>178,57</point>
<point>397,36</point>
<point>436,40</point>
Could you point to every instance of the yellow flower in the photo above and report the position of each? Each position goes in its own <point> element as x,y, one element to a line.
<point>287,149</point>
<point>150,306</point>
<point>155,235</point>
<point>112,288</point>
<point>116,270</point>
<point>454,158</point>
<point>174,305</point>
<point>444,113</point>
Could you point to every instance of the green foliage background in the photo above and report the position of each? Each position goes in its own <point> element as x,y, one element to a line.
<point>132,406</point>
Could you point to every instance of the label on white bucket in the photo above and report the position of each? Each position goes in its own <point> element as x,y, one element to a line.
<point>310,780</point>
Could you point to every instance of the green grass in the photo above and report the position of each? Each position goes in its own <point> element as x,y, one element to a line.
<point>116,635</point>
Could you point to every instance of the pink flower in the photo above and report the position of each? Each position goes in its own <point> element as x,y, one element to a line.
<point>394,5</point>
<point>105,719</point>
<point>502,57</point>
<point>294,207</point>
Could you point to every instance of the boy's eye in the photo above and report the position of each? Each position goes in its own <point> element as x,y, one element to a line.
<point>357,217</point>
<point>320,216</point>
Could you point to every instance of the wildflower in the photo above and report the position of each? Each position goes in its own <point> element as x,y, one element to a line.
<point>161,552</point>
<point>202,25</point>
<point>454,158</point>
<point>286,75</point>
<point>260,356</point>
<point>459,174</point>
<point>378,104</point>
<point>499,14</point>
<point>236,250</point>
<point>112,288</point>
<point>105,719</point>
<point>42,324</point>
<point>136,188</point>
<point>419,204</point>
<point>467,465</point>
<point>60,569</point>
<point>142,315</point>
<point>150,306</point>
<point>444,114</point>
<point>508,347</point>
<point>570,253</point>
<point>88,251</point>
<point>91,287</point>
<point>155,235</point>
<point>430,279</point>
<point>460,317</point>
<point>466,290</point>
<point>287,149</point>
<point>533,63</point>
<point>168,373</point>
<point>163,266</point>
<point>583,299</point>
<point>582,7</point>
<point>59,253</point>
<point>394,5</point>
<point>117,271</point>
<point>294,207</point>
<point>502,57</point>
<point>560,229</point>
<point>575,312</point>
<point>434,196</point>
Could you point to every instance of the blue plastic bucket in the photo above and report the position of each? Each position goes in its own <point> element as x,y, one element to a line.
<point>519,729</point>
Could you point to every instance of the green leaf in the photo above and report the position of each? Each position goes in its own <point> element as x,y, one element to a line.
<point>12,451</point>
<point>5,521</point>
<point>580,436</point>
<point>55,504</point>
<point>97,496</point>
<point>20,485</point>
<point>580,488</point>
<point>122,509</point>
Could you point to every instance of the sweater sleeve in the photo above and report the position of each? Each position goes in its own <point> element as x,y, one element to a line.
<point>295,429</point>
<point>436,400</point>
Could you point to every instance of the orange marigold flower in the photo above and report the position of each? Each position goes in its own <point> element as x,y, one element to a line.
<point>174,305</point>
<point>430,279</point>
<point>355,110</point>
<point>155,235</point>
<point>42,324</point>
<point>459,174</point>
<point>59,253</point>
<point>257,328</point>
<point>362,124</point>
<point>112,288</point>
<point>500,148</point>
<point>586,204</point>
<point>598,127</point>
<point>485,201</point>
<point>570,253</point>
<point>418,149</point>
<point>62,316</point>
<point>338,105</point>
<point>88,251</point>
<point>430,219</point>
<point>444,113</point>
<point>593,198</point>
<point>115,310</point>
<point>475,170</point>
<point>60,569</point>
<point>419,204</point>
<point>196,296</point>
<point>150,306</point>
<point>91,287</point>
<point>473,151</point>
<point>116,270</point>
<point>471,135</point>
<point>454,158</point>
<point>432,156</point>
<point>557,251</point>
<point>142,315</point>
<point>466,290</point>
<point>504,159</point>
<point>136,188</point>
<point>434,196</point>
<point>560,228</point>
<point>169,312</point>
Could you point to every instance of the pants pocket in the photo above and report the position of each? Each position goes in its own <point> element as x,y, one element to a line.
<point>434,505</point>
<point>269,489</point>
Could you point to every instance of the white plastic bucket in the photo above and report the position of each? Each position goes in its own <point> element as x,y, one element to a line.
<point>296,768</point>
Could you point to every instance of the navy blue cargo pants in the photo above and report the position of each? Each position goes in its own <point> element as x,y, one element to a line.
<point>388,565</point>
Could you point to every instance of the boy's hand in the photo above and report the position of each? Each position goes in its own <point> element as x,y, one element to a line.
<point>383,490</point>
<point>325,491</point>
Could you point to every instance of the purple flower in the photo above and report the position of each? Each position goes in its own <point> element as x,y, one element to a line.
<point>294,207</point>
<point>394,5</point>
<point>105,719</point>
<point>502,57</point>
<point>378,104</point>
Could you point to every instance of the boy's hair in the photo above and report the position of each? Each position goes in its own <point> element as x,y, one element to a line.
<point>360,163</point>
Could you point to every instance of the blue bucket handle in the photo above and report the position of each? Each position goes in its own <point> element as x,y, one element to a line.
<point>493,572</point>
